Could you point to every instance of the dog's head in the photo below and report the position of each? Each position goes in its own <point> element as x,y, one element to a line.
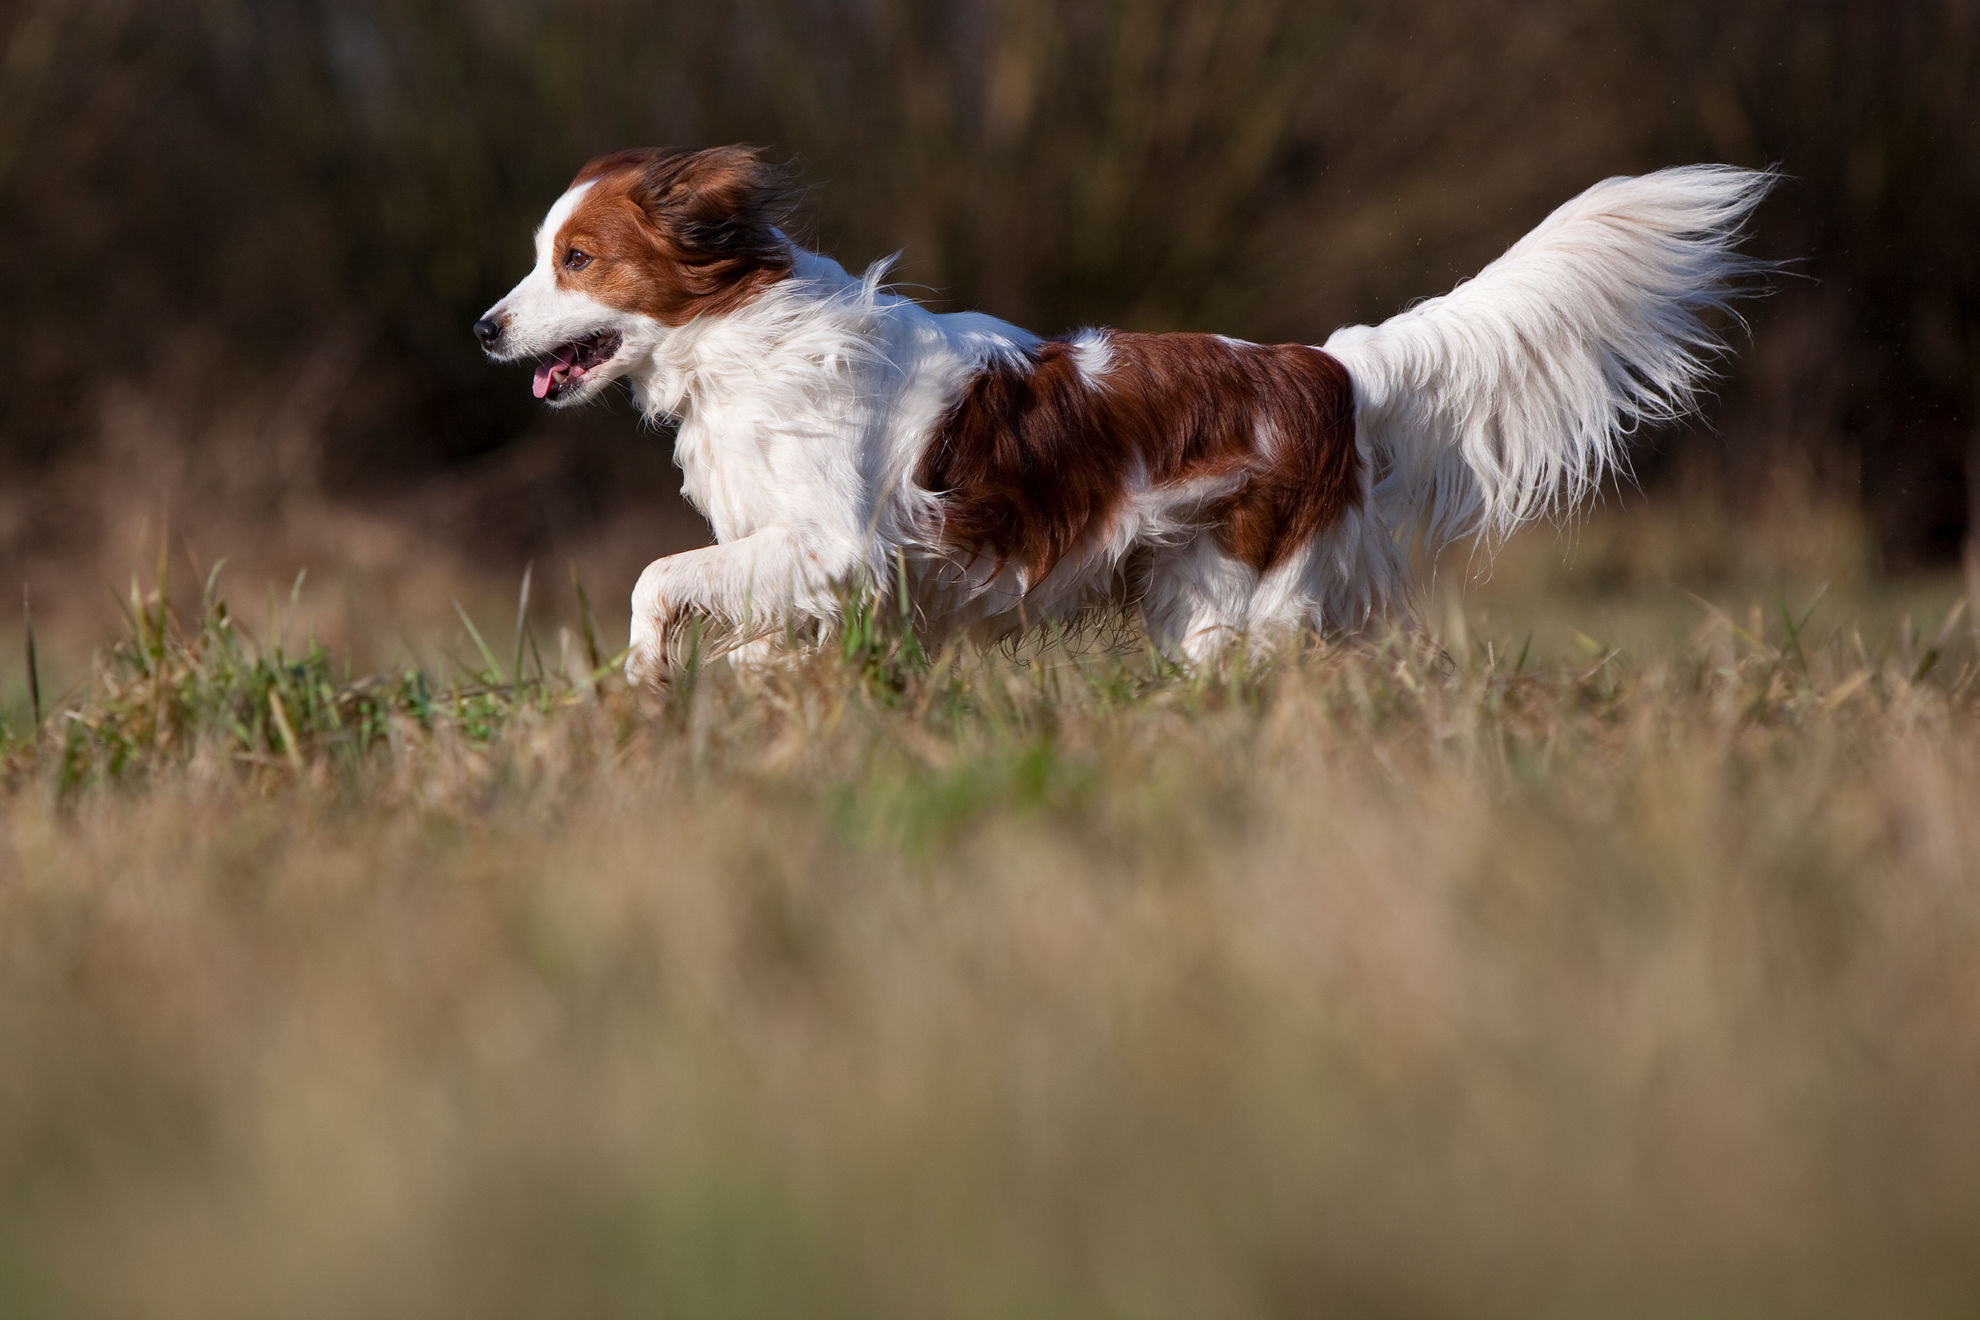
<point>642,241</point>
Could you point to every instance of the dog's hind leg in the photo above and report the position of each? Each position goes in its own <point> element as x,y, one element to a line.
<point>1200,603</point>
<point>1349,577</point>
<point>1196,603</point>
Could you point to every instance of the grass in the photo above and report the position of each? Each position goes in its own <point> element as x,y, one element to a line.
<point>1503,979</point>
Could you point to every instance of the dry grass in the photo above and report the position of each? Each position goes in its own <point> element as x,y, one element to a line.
<point>1378,981</point>
<point>1624,960</point>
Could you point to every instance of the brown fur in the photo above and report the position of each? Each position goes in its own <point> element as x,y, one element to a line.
<point>675,234</point>
<point>1033,461</point>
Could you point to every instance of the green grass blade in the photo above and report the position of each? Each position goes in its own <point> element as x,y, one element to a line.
<point>281,717</point>
<point>586,629</point>
<point>33,668</point>
<point>487,656</point>
<point>522,620</point>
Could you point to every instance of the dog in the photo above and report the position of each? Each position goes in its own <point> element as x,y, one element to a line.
<point>841,437</point>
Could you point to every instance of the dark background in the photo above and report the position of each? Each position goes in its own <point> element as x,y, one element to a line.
<point>245,240</point>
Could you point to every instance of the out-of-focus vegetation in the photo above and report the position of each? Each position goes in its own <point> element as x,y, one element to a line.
<point>1609,948</point>
<point>246,237</point>
<point>1499,979</point>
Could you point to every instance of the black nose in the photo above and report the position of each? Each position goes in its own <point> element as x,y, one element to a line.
<point>488,330</point>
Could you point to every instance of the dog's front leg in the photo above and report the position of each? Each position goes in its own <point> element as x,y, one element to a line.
<point>746,588</point>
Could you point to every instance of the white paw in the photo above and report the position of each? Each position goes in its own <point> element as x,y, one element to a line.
<point>646,659</point>
<point>758,656</point>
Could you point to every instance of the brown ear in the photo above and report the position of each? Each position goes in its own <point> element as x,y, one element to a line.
<point>720,206</point>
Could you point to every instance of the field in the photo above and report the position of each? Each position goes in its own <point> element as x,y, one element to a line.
<point>1612,953</point>
<point>1609,947</point>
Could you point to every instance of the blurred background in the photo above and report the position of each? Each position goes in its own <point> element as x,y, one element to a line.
<point>246,238</point>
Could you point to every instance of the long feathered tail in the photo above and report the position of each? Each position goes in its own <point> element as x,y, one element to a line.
<point>1509,397</point>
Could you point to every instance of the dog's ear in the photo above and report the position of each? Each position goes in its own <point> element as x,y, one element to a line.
<point>720,206</point>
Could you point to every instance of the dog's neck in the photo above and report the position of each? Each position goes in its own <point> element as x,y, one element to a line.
<point>816,320</point>
<point>822,373</point>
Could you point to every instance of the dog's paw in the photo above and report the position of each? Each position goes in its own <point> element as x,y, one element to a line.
<point>646,659</point>
<point>760,656</point>
<point>646,669</point>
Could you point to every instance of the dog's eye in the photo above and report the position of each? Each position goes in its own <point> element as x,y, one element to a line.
<point>576,260</point>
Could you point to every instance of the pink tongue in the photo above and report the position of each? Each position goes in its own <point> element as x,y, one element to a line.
<point>550,375</point>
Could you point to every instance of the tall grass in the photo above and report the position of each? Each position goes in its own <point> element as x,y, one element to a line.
<point>1375,980</point>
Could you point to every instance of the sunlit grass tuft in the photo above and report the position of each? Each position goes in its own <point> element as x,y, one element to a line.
<point>175,690</point>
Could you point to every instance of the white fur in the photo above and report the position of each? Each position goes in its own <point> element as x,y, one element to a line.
<point>1509,397</point>
<point>803,416</point>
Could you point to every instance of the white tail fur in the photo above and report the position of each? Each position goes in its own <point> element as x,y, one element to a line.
<point>1509,397</point>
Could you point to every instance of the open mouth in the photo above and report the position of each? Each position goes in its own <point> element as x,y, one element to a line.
<point>567,367</point>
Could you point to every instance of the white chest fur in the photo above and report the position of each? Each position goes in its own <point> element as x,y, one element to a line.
<point>810,407</point>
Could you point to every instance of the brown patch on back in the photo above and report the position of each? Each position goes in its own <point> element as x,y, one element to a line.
<point>1034,461</point>
<point>675,234</point>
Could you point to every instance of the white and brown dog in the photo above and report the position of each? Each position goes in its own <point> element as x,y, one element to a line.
<point>836,434</point>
